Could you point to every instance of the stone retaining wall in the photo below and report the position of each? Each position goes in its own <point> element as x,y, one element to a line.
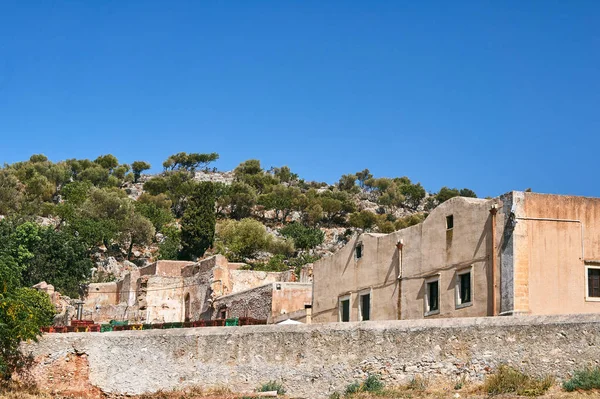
<point>314,360</point>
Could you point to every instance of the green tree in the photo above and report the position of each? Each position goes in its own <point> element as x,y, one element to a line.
<point>244,239</point>
<point>58,258</point>
<point>363,220</point>
<point>446,193</point>
<point>170,247</point>
<point>198,222</point>
<point>11,195</point>
<point>282,199</point>
<point>156,208</point>
<point>348,183</point>
<point>363,176</point>
<point>108,162</point>
<point>138,167</point>
<point>189,162</point>
<point>176,185</point>
<point>22,312</point>
<point>136,230</point>
<point>304,237</point>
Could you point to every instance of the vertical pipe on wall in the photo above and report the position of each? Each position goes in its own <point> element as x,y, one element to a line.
<point>493,212</point>
<point>399,245</point>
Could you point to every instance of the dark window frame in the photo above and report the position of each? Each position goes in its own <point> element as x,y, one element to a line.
<point>361,297</point>
<point>432,301</point>
<point>342,308</point>
<point>449,222</point>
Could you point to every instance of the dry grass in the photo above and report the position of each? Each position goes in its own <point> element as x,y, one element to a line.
<point>433,391</point>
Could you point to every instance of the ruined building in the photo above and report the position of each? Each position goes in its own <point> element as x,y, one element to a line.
<point>177,291</point>
<point>521,253</point>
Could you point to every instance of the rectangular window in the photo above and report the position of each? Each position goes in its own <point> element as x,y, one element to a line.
<point>432,296</point>
<point>365,307</point>
<point>345,309</point>
<point>449,222</point>
<point>464,288</point>
<point>359,250</point>
<point>593,282</point>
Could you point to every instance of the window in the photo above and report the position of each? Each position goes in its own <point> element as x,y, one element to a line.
<point>223,313</point>
<point>592,283</point>
<point>449,222</point>
<point>359,250</point>
<point>464,288</point>
<point>364,305</point>
<point>344,310</point>
<point>432,296</point>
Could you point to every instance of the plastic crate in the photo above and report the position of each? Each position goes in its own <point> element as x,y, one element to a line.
<point>115,323</point>
<point>81,323</point>
<point>199,323</point>
<point>94,328</point>
<point>106,328</point>
<point>71,329</point>
<point>61,329</point>
<point>47,330</point>
<point>158,326</point>
<point>188,324</point>
<point>234,321</point>
<point>118,328</point>
<point>146,326</point>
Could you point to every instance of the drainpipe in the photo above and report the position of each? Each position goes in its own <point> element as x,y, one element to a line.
<point>399,245</point>
<point>493,212</point>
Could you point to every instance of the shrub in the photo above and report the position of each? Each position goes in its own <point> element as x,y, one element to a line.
<point>418,383</point>
<point>510,380</point>
<point>585,379</point>
<point>373,383</point>
<point>353,388</point>
<point>272,386</point>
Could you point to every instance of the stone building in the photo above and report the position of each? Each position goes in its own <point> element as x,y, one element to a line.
<point>176,291</point>
<point>521,253</point>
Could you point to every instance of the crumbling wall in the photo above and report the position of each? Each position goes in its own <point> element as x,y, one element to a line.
<point>256,303</point>
<point>312,361</point>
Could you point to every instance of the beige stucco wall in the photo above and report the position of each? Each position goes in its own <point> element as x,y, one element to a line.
<point>160,299</point>
<point>290,297</point>
<point>242,280</point>
<point>428,249</point>
<point>101,294</point>
<point>551,253</point>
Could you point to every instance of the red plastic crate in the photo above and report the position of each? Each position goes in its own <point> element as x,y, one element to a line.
<point>81,323</point>
<point>60,329</point>
<point>94,328</point>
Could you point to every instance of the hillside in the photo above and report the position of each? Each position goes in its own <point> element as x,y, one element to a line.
<point>79,220</point>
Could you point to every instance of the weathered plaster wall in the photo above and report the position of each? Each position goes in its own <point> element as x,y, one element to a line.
<point>159,299</point>
<point>101,294</point>
<point>429,249</point>
<point>245,279</point>
<point>314,360</point>
<point>553,264</point>
<point>255,302</point>
<point>290,297</point>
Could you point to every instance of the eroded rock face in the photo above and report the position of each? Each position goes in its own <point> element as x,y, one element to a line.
<point>312,361</point>
<point>66,373</point>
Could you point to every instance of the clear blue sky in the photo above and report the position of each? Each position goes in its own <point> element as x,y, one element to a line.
<point>490,95</point>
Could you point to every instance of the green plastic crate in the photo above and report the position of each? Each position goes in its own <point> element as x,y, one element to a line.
<point>115,323</point>
<point>106,328</point>
<point>232,322</point>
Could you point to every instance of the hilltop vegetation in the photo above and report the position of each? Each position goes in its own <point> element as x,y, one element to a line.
<point>67,211</point>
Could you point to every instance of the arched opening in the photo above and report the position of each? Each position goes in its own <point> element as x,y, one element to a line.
<point>187,307</point>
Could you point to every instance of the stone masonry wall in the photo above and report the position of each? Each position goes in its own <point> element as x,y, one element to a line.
<point>314,360</point>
